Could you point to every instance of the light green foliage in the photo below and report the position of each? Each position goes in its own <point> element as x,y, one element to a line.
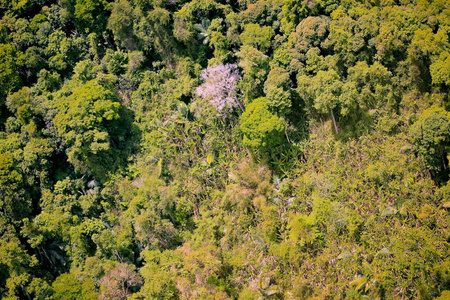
<point>263,12</point>
<point>293,11</point>
<point>248,294</point>
<point>326,216</point>
<point>395,33</point>
<point>48,82</point>
<point>84,71</point>
<point>121,23</point>
<point>304,231</point>
<point>115,61</point>
<point>21,103</point>
<point>257,36</point>
<point>183,28</point>
<point>262,129</point>
<point>444,295</point>
<point>10,61</point>
<point>185,20</point>
<point>430,136</point>
<point>39,289</point>
<point>61,50</point>
<point>351,39</point>
<point>160,24</point>
<point>314,61</point>
<point>67,286</point>
<point>64,230</point>
<point>37,21</point>
<point>15,262</point>
<point>426,43</point>
<point>14,203</point>
<point>255,66</point>
<point>36,160</point>
<point>281,56</point>
<point>23,36</point>
<point>373,84</point>
<point>277,90</point>
<point>323,91</point>
<point>218,40</point>
<point>90,14</point>
<point>310,32</point>
<point>350,103</point>
<point>440,69</point>
<point>427,53</point>
<point>82,120</point>
<point>159,274</point>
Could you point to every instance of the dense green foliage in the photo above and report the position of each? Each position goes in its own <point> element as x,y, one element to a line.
<point>261,129</point>
<point>212,149</point>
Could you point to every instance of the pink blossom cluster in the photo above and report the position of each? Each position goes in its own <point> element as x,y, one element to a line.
<point>219,87</point>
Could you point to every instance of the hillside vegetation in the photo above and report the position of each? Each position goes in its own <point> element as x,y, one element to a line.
<point>218,149</point>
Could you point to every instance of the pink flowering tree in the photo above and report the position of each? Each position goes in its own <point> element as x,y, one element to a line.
<point>219,87</point>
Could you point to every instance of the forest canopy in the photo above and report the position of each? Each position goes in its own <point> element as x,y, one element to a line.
<point>216,149</point>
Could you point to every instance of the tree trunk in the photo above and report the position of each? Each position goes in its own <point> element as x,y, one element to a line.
<point>287,137</point>
<point>240,105</point>
<point>334,121</point>
<point>444,159</point>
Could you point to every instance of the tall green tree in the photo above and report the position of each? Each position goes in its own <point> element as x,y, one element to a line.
<point>67,286</point>
<point>121,24</point>
<point>277,89</point>
<point>431,137</point>
<point>15,262</point>
<point>322,92</point>
<point>10,62</point>
<point>91,15</point>
<point>89,121</point>
<point>14,201</point>
<point>310,32</point>
<point>262,130</point>
<point>257,36</point>
<point>255,67</point>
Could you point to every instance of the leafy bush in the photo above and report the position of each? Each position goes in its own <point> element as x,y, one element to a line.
<point>261,129</point>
